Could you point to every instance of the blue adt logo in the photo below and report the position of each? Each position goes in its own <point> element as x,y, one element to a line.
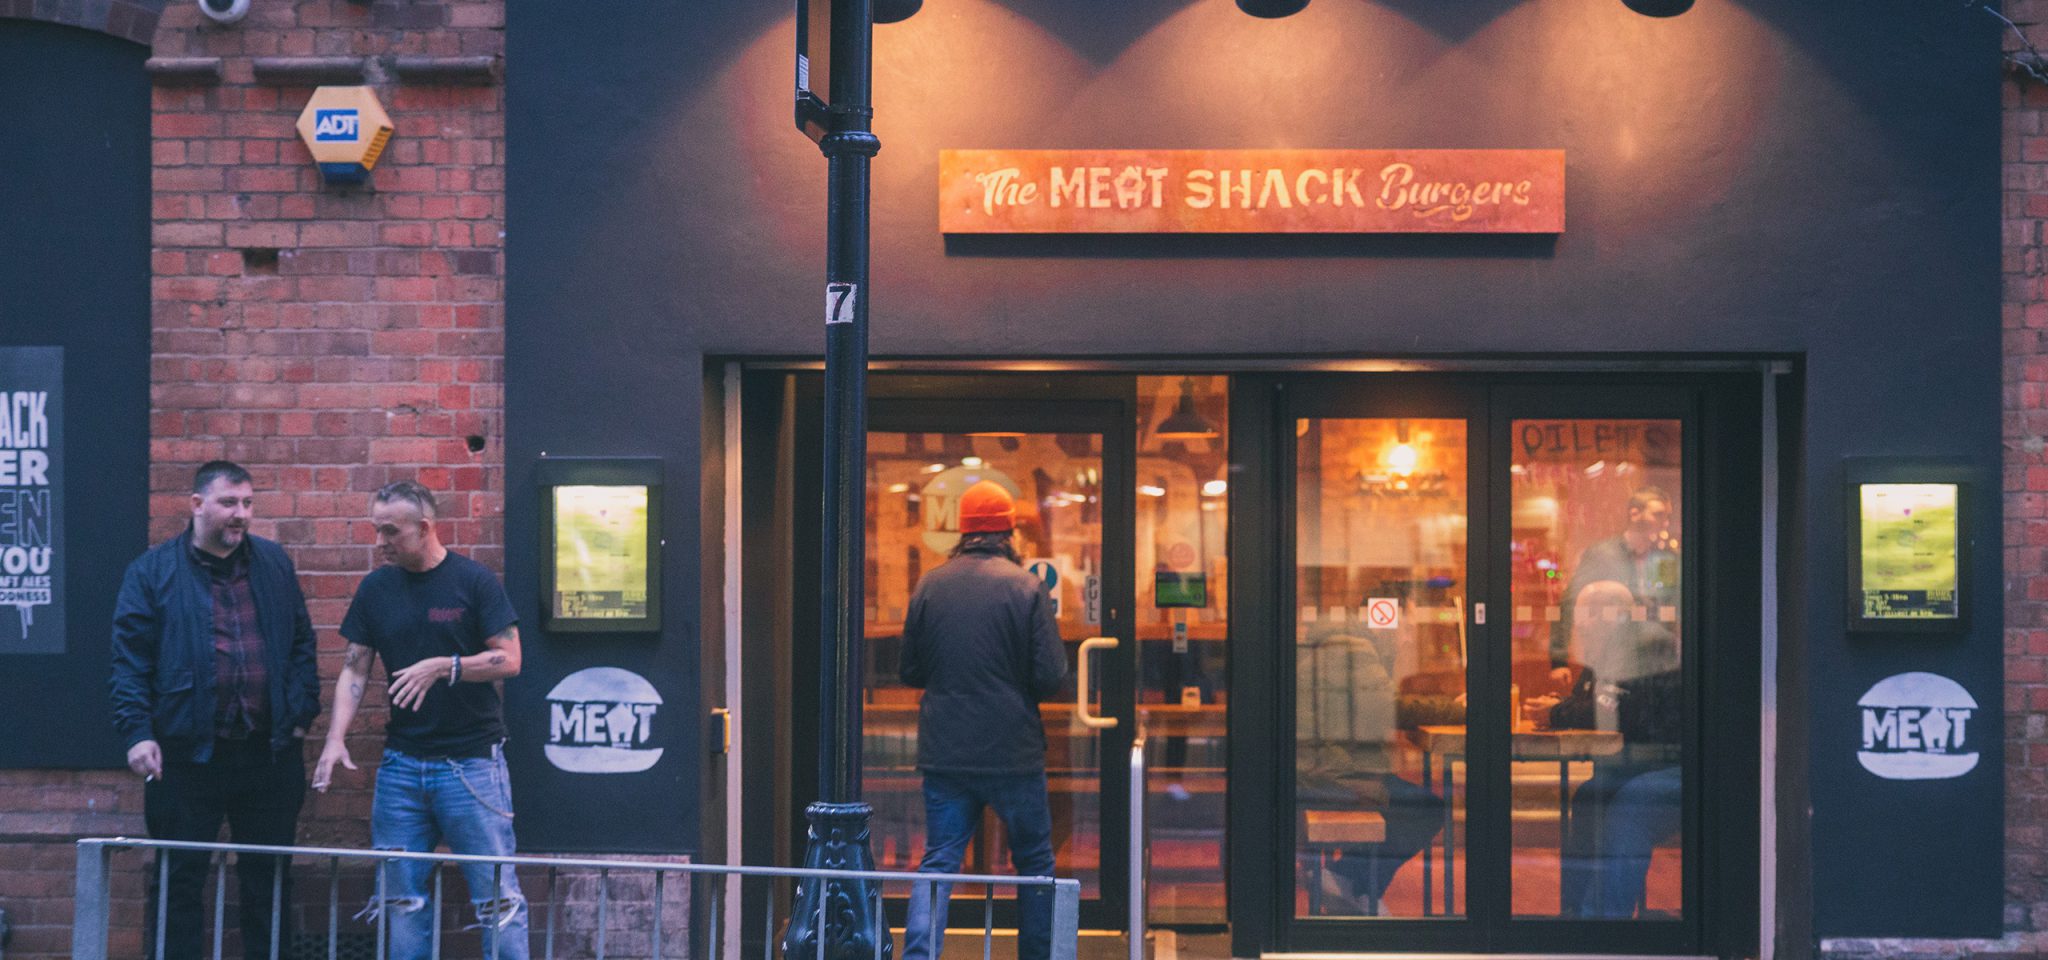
<point>335,124</point>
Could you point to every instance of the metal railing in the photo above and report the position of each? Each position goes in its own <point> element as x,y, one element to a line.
<point>1138,846</point>
<point>94,907</point>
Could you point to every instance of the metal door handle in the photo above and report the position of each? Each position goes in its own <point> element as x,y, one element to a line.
<point>724,717</point>
<point>1081,711</point>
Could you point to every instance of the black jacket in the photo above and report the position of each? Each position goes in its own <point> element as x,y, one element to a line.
<point>981,641</point>
<point>1648,711</point>
<point>162,683</point>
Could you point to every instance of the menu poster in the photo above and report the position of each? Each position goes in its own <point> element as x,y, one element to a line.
<point>601,569</point>
<point>1908,551</point>
<point>32,500</point>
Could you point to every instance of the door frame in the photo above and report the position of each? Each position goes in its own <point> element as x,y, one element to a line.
<point>958,403</point>
<point>1722,595</point>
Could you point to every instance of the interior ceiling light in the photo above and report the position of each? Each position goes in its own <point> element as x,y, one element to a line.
<point>895,11</point>
<point>1656,8</point>
<point>1272,9</point>
<point>1185,423</point>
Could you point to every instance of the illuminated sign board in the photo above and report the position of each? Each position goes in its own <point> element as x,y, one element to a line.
<point>1251,191</point>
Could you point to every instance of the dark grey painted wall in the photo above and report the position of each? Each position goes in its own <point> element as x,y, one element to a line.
<point>74,273</point>
<point>1813,177</point>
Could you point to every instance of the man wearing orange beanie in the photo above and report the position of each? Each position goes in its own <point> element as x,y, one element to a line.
<point>981,641</point>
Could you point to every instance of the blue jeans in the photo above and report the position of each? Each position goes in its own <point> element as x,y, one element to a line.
<point>952,807</point>
<point>1634,810</point>
<point>467,803</point>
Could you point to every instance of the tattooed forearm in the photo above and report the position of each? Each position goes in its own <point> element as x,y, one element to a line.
<point>356,689</point>
<point>496,660</point>
<point>352,658</point>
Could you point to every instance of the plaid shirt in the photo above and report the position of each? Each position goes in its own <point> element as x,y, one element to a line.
<point>241,681</point>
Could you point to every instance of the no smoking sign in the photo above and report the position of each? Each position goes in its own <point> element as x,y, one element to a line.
<point>1382,613</point>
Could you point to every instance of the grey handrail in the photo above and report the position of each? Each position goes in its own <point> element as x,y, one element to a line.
<point>1137,843</point>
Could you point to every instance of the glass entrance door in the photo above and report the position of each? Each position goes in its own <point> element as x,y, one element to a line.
<point>1067,464</point>
<point>1495,666</point>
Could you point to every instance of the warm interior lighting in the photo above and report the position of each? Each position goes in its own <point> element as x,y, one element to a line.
<point>970,462</point>
<point>1185,423</point>
<point>1215,488</point>
<point>1151,490</point>
<point>1271,9</point>
<point>1402,457</point>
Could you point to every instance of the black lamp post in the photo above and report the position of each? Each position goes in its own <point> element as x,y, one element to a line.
<point>841,920</point>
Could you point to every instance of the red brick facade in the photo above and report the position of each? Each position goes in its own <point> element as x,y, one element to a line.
<point>331,340</point>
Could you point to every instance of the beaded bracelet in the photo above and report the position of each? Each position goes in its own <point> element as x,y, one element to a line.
<point>454,670</point>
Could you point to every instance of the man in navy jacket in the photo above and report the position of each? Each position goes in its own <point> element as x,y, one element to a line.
<point>214,684</point>
<point>982,643</point>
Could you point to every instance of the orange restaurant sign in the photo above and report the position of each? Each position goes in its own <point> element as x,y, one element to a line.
<point>1251,191</point>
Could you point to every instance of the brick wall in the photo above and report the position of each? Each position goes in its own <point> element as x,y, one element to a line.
<point>329,340</point>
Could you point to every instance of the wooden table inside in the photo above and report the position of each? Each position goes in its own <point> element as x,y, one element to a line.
<point>1449,740</point>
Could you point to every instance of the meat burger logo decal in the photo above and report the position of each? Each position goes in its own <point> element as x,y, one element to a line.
<point>601,720</point>
<point>1916,726</point>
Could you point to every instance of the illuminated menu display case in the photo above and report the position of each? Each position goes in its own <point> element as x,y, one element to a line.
<point>1907,551</point>
<point>601,555</point>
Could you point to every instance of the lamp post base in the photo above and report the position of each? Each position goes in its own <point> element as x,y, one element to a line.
<point>853,928</point>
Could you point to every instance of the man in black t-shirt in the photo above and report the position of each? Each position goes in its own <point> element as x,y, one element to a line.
<point>445,630</point>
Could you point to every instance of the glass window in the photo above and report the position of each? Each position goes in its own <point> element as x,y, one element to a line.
<point>1597,641</point>
<point>1183,629</point>
<point>1380,666</point>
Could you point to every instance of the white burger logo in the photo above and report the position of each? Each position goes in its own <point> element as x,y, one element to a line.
<point>600,721</point>
<point>1915,727</point>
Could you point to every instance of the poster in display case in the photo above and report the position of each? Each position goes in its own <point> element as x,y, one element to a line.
<point>1906,547</point>
<point>601,563</point>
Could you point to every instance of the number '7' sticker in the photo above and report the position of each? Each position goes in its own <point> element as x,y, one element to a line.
<point>840,301</point>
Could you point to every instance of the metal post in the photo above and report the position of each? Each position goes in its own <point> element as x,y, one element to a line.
<point>333,908</point>
<point>277,904</point>
<point>220,902</point>
<point>89,902</point>
<point>1135,922</point>
<point>554,901</point>
<point>1066,919</point>
<point>839,820</point>
<point>604,888</point>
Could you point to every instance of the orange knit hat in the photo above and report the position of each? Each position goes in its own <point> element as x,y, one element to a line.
<point>986,508</point>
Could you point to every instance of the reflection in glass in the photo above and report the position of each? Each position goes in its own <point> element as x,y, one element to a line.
<point>1183,628</point>
<point>914,482</point>
<point>1596,653</point>
<point>1380,654</point>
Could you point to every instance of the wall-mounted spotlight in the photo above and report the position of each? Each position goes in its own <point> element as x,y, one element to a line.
<point>1658,8</point>
<point>892,11</point>
<point>1272,9</point>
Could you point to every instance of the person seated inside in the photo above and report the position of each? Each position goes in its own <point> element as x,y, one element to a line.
<point>1345,761</point>
<point>1630,684</point>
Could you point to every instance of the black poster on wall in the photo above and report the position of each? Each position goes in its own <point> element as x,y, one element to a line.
<point>31,500</point>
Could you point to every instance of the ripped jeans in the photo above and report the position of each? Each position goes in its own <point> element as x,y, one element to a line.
<point>467,803</point>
